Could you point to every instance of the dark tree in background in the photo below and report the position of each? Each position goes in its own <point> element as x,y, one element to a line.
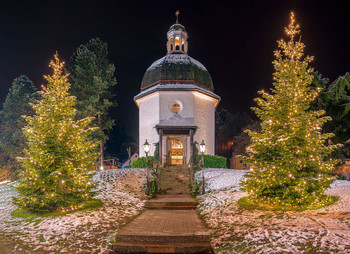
<point>335,100</point>
<point>119,141</point>
<point>227,127</point>
<point>242,141</point>
<point>12,139</point>
<point>92,76</point>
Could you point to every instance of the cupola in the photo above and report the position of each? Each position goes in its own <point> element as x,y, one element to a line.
<point>177,38</point>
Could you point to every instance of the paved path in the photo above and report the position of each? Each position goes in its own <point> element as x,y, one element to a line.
<point>166,223</point>
<point>163,230</point>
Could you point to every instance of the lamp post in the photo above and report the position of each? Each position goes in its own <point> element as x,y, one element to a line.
<point>146,148</point>
<point>202,150</point>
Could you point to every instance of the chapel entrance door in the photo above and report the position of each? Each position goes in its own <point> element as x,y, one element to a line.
<point>176,150</point>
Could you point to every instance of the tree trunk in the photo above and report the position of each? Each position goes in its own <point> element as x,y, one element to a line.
<point>101,134</point>
<point>101,141</point>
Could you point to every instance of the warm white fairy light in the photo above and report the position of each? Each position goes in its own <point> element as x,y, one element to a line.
<point>59,153</point>
<point>289,155</point>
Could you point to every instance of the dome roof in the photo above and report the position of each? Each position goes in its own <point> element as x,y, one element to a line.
<point>177,68</point>
<point>177,26</point>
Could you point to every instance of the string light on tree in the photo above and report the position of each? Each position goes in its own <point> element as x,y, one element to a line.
<point>289,157</point>
<point>59,152</point>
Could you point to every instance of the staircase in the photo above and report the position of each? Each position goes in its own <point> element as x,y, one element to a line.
<point>171,202</point>
<point>174,180</point>
<point>169,224</point>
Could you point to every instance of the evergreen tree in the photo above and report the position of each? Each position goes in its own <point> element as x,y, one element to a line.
<point>12,139</point>
<point>242,141</point>
<point>289,158</point>
<point>58,154</point>
<point>335,100</point>
<point>227,127</point>
<point>92,76</point>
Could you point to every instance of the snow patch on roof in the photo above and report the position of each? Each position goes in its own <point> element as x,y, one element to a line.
<point>177,86</point>
<point>176,59</point>
<point>177,120</point>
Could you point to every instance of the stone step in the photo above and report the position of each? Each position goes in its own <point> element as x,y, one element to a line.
<point>175,177</point>
<point>177,230</point>
<point>128,247</point>
<point>174,184</point>
<point>174,192</point>
<point>170,203</point>
<point>182,188</point>
<point>158,238</point>
<point>172,208</point>
<point>174,180</point>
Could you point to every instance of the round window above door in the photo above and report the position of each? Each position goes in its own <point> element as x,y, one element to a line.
<point>175,107</point>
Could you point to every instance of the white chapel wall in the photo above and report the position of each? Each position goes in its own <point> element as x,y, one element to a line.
<point>148,118</point>
<point>184,98</point>
<point>204,118</point>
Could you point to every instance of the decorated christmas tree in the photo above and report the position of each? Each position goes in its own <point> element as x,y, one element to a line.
<point>289,158</point>
<point>59,154</point>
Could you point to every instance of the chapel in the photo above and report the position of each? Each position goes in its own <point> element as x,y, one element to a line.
<point>177,103</point>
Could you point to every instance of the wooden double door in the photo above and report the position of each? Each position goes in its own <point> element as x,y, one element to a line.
<point>176,149</point>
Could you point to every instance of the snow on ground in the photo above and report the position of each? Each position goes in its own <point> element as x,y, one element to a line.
<point>219,178</point>
<point>237,230</point>
<point>120,190</point>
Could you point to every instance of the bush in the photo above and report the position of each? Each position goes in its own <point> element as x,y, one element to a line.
<point>214,161</point>
<point>197,188</point>
<point>154,186</point>
<point>8,172</point>
<point>141,162</point>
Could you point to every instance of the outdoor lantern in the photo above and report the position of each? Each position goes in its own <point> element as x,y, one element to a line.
<point>202,147</point>
<point>202,150</point>
<point>146,147</point>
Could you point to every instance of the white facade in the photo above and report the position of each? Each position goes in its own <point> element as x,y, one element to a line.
<point>195,106</point>
<point>177,103</point>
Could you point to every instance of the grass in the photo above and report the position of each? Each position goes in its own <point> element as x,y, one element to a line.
<point>89,205</point>
<point>247,204</point>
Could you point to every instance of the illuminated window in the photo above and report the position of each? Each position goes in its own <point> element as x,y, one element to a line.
<point>171,44</point>
<point>175,107</point>
<point>177,43</point>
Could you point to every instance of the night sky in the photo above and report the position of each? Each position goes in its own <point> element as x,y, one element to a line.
<point>235,40</point>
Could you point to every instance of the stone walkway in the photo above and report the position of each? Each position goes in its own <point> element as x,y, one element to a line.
<point>169,225</point>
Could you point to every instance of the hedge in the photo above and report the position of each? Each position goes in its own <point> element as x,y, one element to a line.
<point>214,161</point>
<point>210,161</point>
<point>141,162</point>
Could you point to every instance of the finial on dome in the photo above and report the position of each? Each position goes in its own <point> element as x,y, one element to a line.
<point>177,16</point>
<point>177,37</point>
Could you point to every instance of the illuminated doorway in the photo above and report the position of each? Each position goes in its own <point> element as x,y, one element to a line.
<point>177,151</point>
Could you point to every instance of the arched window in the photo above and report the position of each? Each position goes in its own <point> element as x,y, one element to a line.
<point>183,44</point>
<point>177,43</point>
<point>171,44</point>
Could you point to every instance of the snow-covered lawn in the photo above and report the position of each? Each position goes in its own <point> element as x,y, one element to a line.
<point>234,230</point>
<point>237,230</point>
<point>79,232</point>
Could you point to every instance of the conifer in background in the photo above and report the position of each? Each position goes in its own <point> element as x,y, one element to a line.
<point>92,77</point>
<point>59,154</point>
<point>335,100</point>
<point>12,139</point>
<point>289,157</point>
